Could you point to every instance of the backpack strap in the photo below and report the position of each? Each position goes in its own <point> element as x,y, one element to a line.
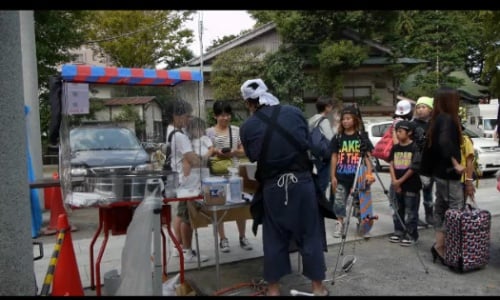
<point>169,138</point>
<point>319,121</point>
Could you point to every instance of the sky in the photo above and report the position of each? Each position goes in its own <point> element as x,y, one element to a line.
<point>216,24</point>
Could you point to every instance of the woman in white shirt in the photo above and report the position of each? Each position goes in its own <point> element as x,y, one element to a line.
<point>227,144</point>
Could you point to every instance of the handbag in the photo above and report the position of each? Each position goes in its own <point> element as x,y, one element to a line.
<point>382,149</point>
<point>218,165</point>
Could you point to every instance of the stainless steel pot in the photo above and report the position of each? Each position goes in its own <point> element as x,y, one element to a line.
<point>128,187</point>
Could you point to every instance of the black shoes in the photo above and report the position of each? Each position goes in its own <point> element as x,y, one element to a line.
<point>436,255</point>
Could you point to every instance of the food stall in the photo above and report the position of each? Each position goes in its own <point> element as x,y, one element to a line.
<point>71,97</point>
<point>115,214</point>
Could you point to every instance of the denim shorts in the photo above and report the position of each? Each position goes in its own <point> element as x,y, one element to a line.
<point>182,211</point>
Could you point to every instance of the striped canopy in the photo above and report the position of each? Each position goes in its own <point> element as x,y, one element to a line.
<point>127,76</point>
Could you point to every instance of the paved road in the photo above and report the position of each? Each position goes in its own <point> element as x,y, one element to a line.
<point>382,268</point>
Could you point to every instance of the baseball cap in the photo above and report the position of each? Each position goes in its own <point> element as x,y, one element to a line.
<point>427,101</point>
<point>404,124</point>
<point>349,110</point>
<point>403,108</point>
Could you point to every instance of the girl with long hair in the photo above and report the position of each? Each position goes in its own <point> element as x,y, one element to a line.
<point>444,137</point>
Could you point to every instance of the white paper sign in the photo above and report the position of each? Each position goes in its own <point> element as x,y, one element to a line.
<point>76,101</point>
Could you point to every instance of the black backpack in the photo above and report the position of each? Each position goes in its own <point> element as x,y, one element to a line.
<point>319,144</point>
<point>168,151</point>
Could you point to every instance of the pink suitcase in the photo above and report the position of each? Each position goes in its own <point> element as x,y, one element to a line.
<point>467,238</point>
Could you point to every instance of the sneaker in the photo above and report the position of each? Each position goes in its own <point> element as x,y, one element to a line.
<point>245,244</point>
<point>224,245</point>
<point>421,223</point>
<point>394,238</point>
<point>191,257</point>
<point>407,242</point>
<point>175,252</point>
<point>338,230</point>
<point>429,219</point>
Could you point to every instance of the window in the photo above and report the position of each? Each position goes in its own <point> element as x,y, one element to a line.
<point>357,94</point>
<point>79,58</point>
<point>379,130</point>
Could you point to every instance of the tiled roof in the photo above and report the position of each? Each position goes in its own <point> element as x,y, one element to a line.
<point>128,100</point>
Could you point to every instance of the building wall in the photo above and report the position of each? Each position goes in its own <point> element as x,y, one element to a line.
<point>269,41</point>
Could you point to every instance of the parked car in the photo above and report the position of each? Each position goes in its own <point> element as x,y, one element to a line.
<point>105,149</point>
<point>375,132</point>
<point>488,152</point>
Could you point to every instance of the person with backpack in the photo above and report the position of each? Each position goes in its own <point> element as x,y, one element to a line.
<point>277,137</point>
<point>183,159</point>
<point>421,118</point>
<point>320,122</point>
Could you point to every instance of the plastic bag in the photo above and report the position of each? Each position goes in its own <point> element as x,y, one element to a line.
<point>136,254</point>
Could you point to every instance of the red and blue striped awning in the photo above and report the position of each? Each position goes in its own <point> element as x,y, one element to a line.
<point>126,76</point>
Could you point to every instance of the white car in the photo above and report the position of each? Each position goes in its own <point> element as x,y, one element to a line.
<point>488,152</point>
<point>487,149</point>
<point>375,132</point>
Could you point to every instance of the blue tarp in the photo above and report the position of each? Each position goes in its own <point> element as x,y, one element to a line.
<point>36,211</point>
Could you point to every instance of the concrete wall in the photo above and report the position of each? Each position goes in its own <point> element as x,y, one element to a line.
<point>16,252</point>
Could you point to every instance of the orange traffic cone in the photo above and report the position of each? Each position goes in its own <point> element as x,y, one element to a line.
<point>56,207</point>
<point>66,280</point>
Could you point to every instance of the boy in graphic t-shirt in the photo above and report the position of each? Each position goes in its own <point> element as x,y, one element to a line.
<point>406,184</point>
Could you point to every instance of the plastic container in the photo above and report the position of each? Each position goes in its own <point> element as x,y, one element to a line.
<point>235,186</point>
<point>214,190</point>
<point>112,281</point>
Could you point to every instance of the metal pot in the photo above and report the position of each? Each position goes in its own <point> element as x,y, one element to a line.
<point>129,187</point>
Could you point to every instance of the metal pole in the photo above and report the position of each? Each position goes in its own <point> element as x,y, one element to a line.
<point>201,96</point>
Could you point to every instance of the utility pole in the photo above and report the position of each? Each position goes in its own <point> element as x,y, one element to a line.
<point>201,96</point>
<point>16,254</point>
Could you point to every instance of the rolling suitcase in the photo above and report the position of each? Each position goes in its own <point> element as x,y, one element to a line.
<point>467,238</point>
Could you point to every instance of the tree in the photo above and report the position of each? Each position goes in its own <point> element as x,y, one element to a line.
<point>142,39</point>
<point>217,42</point>
<point>232,68</point>
<point>285,77</point>
<point>491,71</point>
<point>316,37</point>
<point>449,40</point>
<point>129,114</point>
<point>56,32</point>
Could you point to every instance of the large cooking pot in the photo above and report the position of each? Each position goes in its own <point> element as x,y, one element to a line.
<point>128,186</point>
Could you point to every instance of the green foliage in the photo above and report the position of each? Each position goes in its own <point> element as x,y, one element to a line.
<point>142,39</point>
<point>491,72</point>
<point>341,54</point>
<point>56,32</point>
<point>285,76</point>
<point>232,68</point>
<point>95,105</point>
<point>129,114</point>
<point>217,42</point>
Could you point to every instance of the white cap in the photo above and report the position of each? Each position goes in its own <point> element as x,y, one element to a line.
<point>403,108</point>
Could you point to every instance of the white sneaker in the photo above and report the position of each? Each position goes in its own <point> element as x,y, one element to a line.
<point>245,244</point>
<point>175,252</point>
<point>191,257</point>
<point>338,230</point>
<point>224,245</point>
